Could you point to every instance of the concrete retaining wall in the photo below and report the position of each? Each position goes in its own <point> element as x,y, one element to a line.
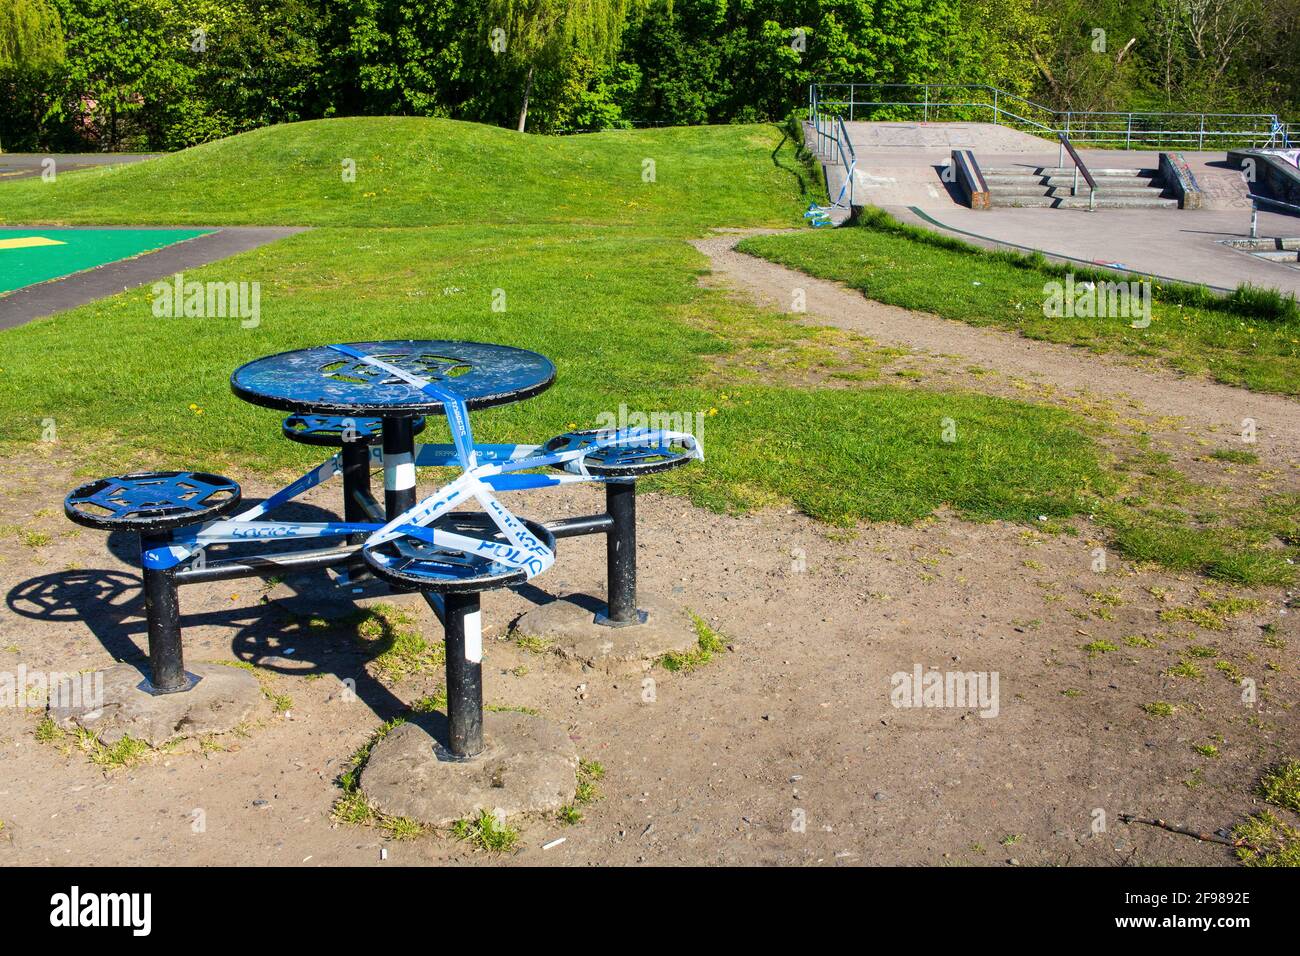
<point>965,172</point>
<point>1178,177</point>
<point>1273,176</point>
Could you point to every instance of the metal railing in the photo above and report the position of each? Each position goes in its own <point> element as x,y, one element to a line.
<point>832,142</point>
<point>1079,167</point>
<point>948,102</point>
<point>1276,203</point>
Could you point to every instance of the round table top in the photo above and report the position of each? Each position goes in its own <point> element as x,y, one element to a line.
<point>324,381</point>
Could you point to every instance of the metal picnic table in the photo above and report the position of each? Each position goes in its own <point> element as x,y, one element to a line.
<point>369,400</point>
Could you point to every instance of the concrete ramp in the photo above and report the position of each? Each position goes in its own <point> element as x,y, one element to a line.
<point>917,183</point>
<point>943,137</point>
<point>1222,185</point>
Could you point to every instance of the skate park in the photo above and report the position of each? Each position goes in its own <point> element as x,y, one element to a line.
<point>1039,200</point>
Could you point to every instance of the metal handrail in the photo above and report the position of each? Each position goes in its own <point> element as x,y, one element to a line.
<point>830,129</point>
<point>1130,129</point>
<point>1254,211</point>
<point>1079,167</point>
<point>1291,207</point>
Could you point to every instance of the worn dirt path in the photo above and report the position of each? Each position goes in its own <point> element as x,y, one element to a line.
<point>786,749</point>
<point>1166,393</point>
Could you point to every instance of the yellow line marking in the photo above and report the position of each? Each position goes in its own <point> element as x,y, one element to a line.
<point>26,242</point>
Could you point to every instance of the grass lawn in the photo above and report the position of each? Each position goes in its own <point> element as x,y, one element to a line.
<point>889,264</point>
<point>415,172</point>
<point>842,455</point>
<point>618,309</point>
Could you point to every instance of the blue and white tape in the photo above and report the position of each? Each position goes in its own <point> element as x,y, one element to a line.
<point>484,469</point>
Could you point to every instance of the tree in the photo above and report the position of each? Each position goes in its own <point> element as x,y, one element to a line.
<point>118,64</point>
<point>396,57</point>
<point>537,33</point>
<point>31,35</point>
<point>31,42</point>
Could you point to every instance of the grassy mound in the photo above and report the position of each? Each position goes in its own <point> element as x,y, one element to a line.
<point>412,171</point>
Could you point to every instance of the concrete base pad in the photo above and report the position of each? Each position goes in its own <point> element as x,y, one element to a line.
<point>224,698</point>
<point>528,765</point>
<point>569,625</point>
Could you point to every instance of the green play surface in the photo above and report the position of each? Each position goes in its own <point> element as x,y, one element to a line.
<point>28,256</point>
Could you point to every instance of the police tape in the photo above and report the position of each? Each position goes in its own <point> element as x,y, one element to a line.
<point>495,473</point>
<point>485,468</point>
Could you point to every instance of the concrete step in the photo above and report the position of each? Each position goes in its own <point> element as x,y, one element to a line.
<point>1010,171</point>
<point>1062,192</point>
<point>1054,187</point>
<point>1060,171</point>
<point>1022,202</point>
<point>1017,189</point>
<point>1102,181</point>
<point>1117,202</point>
<point>1097,173</point>
<point>1005,179</point>
<point>1106,189</point>
<point>1081,202</point>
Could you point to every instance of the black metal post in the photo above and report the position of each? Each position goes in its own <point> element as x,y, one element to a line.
<point>620,556</point>
<point>163,614</point>
<point>464,647</point>
<point>574,527</point>
<point>399,465</point>
<point>265,565</point>
<point>356,482</point>
<point>356,477</point>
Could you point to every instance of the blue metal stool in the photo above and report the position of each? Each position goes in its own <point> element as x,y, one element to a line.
<point>153,504</point>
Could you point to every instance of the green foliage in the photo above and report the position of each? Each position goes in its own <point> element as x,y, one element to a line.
<point>1281,785</point>
<point>1267,304</point>
<point>1267,841</point>
<point>395,643</point>
<point>1099,647</point>
<point>487,833</point>
<point>117,76</point>
<point>391,58</point>
<point>134,76</point>
<point>537,34</point>
<point>708,643</point>
<point>32,51</point>
<point>31,35</point>
<point>538,31</point>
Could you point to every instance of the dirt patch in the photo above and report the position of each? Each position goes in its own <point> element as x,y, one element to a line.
<point>785,748</point>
